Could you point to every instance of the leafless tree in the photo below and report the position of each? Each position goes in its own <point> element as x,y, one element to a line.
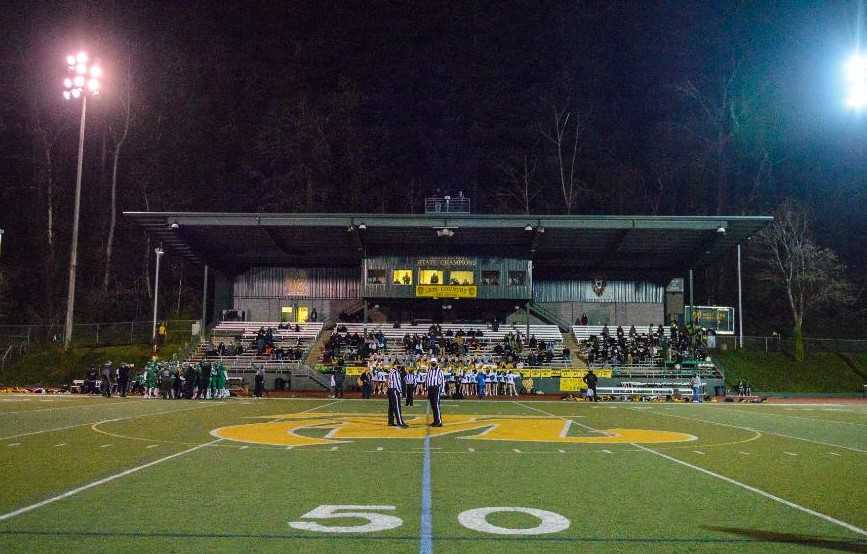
<point>810,275</point>
<point>566,133</point>
<point>521,176</point>
<point>119,136</point>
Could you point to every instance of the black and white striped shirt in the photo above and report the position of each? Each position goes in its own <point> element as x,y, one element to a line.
<point>394,379</point>
<point>434,377</point>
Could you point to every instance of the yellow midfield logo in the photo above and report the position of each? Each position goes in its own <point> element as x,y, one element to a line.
<point>299,430</point>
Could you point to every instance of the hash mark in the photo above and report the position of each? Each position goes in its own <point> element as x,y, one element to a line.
<point>105,445</point>
<point>152,446</point>
<point>561,451</point>
<point>379,449</point>
<point>699,452</point>
<point>333,448</point>
<point>516,451</point>
<point>61,444</point>
<point>471,449</point>
<point>833,453</point>
<point>790,453</point>
<point>245,447</point>
<point>14,444</point>
<point>289,447</point>
<point>606,451</point>
<point>745,453</point>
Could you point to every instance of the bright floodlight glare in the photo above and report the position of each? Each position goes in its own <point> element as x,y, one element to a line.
<point>70,60</point>
<point>79,81</point>
<point>81,57</point>
<point>93,85</point>
<point>67,82</point>
<point>76,92</point>
<point>96,71</point>
<point>66,95</point>
<point>856,78</point>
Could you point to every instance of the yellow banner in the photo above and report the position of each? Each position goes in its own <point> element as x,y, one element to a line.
<point>446,291</point>
<point>355,370</point>
<point>546,373</point>
<point>571,384</point>
<point>571,373</point>
<point>555,373</point>
<point>535,373</point>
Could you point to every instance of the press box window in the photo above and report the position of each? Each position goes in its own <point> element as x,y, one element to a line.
<point>491,278</point>
<point>401,277</point>
<point>430,277</point>
<point>461,277</point>
<point>375,276</point>
<point>517,278</point>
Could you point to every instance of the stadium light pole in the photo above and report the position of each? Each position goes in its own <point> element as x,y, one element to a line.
<point>1,240</point>
<point>159,252</point>
<point>856,81</point>
<point>83,79</point>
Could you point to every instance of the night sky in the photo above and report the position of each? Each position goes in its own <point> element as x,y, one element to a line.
<point>684,108</point>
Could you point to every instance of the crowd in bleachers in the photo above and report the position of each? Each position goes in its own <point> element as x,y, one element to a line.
<point>240,344</point>
<point>462,347</point>
<point>655,347</point>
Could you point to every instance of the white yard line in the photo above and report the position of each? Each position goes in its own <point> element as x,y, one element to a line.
<point>91,423</point>
<point>761,431</point>
<point>88,405</point>
<point>729,480</point>
<point>102,481</point>
<point>760,492</point>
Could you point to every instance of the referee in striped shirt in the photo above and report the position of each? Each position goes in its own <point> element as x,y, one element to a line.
<point>395,384</point>
<point>434,382</point>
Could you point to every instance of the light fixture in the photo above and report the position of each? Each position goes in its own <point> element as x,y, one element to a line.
<point>362,227</point>
<point>856,79</point>
<point>174,226</point>
<point>720,229</point>
<point>528,227</point>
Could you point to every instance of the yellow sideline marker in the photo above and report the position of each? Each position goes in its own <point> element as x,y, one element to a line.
<point>284,431</point>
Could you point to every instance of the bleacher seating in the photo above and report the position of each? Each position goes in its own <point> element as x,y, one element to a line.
<point>244,333</point>
<point>487,342</point>
<point>657,367</point>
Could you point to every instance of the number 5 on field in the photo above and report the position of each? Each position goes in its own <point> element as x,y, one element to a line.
<point>375,521</point>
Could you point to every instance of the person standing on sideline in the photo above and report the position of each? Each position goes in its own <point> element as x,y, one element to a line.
<point>107,370</point>
<point>409,386</point>
<point>339,377</point>
<point>260,381</point>
<point>696,388</point>
<point>366,387</point>
<point>434,382</point>
<point>123,379</point>
<point>591,381</point>
<point>394,384</point>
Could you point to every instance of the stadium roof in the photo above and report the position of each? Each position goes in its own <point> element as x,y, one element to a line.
<point>234,241</point>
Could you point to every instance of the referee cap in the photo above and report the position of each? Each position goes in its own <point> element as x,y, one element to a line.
<point>433,360</point>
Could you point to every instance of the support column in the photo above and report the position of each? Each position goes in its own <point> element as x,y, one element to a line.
<point>365,311</point>
<point>527,309</point>
<point>204,306</point>
<point>740,303</point>
<point>691,298</point>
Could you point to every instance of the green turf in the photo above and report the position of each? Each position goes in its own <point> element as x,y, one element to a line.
<point>230,496</point>
<point>778,372</point>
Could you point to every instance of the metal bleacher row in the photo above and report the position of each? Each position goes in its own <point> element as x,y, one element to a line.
<point>583,333</point>
<point>488,340</point>
<point>244,332</point>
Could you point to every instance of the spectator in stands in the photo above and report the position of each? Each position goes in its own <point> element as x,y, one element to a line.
<point>583,319</point>
<point>365,384</point>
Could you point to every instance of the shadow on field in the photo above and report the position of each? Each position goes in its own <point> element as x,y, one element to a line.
<point>789,538</point>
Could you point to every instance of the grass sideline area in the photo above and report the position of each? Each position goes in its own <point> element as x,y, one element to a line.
<point>777,372</point>
<point>87,474</point>
<point>54,366</point>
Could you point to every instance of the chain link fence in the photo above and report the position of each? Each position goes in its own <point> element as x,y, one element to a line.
<point>97,334</point>
<point>787,344</point>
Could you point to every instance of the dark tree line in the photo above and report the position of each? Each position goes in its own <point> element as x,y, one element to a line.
<point>578,107</point>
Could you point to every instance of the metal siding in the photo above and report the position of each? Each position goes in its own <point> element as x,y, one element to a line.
<point>574,290</point>
<point>283,282</point>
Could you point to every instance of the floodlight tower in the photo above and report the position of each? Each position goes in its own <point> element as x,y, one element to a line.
<point>83,79</point>
<point>856,80</point>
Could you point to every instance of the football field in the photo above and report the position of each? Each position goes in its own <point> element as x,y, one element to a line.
<point>87,474</point>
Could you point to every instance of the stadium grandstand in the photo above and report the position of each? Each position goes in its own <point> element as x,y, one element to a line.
<point>549,296</point>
